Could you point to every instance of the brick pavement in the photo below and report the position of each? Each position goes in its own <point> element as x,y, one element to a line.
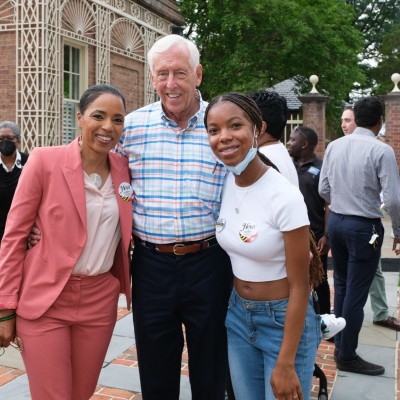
<point>128,359</point>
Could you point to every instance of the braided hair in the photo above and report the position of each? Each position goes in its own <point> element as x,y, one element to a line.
<point>249,106</point>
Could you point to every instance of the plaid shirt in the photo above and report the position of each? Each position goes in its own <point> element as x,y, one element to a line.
<point>176,179</point>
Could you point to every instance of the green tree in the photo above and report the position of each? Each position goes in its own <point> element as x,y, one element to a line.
<point>389,61</point>
<point>374,18</point>
<point>252,44</point>
<point>378,21</point>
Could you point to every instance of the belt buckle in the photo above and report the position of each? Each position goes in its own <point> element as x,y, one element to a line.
<point>176,246</point>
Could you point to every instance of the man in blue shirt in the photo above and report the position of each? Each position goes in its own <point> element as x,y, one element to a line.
<point>181,276</point>
<point>377,291</point>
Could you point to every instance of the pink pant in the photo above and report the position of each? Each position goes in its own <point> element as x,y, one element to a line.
<point>64,349</point>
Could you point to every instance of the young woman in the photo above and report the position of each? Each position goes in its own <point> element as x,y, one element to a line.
<point>273,330</point>
<point>58,300</point>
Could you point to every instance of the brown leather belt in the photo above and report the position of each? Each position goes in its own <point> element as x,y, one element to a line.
<point>179,249</point>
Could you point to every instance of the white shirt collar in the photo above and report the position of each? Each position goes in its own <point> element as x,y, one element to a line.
<point>17,162</point>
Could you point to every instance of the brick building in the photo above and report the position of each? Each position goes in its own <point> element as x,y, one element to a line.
<point>52,50</point>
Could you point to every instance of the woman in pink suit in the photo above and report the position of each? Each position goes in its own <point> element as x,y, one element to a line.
<point>58,300</point>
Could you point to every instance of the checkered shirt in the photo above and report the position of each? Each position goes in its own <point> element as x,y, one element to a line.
<point>176,179</point>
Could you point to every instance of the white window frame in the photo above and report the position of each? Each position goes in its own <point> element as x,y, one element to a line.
<point>70,130</point>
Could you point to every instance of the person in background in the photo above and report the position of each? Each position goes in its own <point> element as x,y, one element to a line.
<point>355,170</point>
<point>301,146</point>
<point>274,356</point>
<point>58,300</point>
<point>274,112</point>
<point>11,163</point>
<point>377,291</point>
<point>181,276</point>
<point>347,121</point>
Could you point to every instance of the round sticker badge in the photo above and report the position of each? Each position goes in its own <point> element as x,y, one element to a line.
<point>220,224</point>
<point>248,232</point>
<point>125,191</point>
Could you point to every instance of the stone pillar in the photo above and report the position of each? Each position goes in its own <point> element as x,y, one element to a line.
<point>392,118</point>
<point>314,117</point>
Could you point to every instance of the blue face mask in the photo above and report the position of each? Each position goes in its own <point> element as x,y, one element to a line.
<point>238,169</point>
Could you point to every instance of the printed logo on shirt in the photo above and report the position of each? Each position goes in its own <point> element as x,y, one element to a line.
<point>248,232</point>
<point>313,170</point>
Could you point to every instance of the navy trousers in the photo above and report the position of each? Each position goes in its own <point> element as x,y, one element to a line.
<point>169,292</point>
<point>355,263</point>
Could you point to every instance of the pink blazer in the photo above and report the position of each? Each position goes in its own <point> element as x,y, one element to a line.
<point>51,194</point>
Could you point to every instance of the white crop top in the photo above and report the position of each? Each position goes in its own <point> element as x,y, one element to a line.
<point>253,238</point>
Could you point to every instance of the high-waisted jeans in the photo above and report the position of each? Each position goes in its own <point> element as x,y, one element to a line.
<point>255,332</point>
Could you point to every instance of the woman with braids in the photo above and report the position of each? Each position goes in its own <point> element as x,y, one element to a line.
<point>273,330</point>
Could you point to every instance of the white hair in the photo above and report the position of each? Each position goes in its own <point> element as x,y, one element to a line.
<point>166,42</point>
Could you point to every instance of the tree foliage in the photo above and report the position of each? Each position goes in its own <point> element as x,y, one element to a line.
<point>253,44</point>
<point>389,60</point>
<point>374,19</point>
<point>378,21</point>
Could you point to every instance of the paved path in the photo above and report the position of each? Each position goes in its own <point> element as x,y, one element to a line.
<point>120,379</point>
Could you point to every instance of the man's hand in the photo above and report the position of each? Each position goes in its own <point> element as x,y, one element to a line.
<point>323,245</point>
<point>34,237</point>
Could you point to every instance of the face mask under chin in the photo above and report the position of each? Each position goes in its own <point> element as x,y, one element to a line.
<point>239,168</point>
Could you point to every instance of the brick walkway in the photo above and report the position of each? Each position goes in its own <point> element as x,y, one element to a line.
<point>324,359</point>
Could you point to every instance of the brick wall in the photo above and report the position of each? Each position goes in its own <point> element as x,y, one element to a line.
<point>314,117</point>
<point>91,66</point>
<point>128,76</point>
<point>392,119</point>
<point>7,77</point>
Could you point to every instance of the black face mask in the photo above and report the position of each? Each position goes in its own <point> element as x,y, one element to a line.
<point>7,148</point>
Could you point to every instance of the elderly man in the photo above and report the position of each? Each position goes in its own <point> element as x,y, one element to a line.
<point>180,274</point>
<point>11,164</point>
<point>377,291</point>
<point>356,169</point>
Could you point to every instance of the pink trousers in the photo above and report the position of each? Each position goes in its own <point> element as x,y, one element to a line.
<point>64,349</point>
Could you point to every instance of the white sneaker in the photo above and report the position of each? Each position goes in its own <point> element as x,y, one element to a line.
<point>330,325</point>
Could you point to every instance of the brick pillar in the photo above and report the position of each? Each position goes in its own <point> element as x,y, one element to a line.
<point>314,117</point>
<point>392,121</point>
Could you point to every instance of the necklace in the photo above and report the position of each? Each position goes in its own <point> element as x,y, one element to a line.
<point>96,179</point>
<point>237,208</point>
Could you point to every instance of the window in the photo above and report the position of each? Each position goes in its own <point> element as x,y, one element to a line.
<point>73,84</point>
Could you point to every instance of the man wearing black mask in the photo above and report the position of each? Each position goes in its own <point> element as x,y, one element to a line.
<point>11,163</point>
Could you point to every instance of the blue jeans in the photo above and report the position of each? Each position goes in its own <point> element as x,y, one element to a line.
<point>255,332</point>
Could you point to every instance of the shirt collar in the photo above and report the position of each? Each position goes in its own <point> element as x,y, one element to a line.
<point>364,132</point>
<point>17,162</point>
<point>312,161</point>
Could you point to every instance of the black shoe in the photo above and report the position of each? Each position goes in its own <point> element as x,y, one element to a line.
<point>359,366</point>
